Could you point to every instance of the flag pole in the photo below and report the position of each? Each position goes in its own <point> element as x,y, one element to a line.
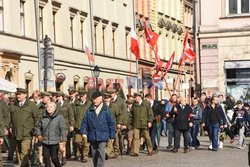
<point>190,83</point>
<point>137,64</point>
<point>92,36</point>
<point>167,87</point>
<point>36,6</point>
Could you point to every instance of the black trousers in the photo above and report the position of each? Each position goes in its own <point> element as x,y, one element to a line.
<point>68,147</point>
<point>177,138</point>
<point>51,151</point>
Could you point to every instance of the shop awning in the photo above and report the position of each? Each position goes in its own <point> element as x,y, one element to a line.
<point>237,64</point>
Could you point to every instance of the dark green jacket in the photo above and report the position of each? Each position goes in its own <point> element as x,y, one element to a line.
<point>6,113</point>
<point>121,104</point>
<point>141,115</point>
<point>116,113</point>
<point>2,122</point>
<point>129,120</point>
<point>24,119</point>
<point>42,108</point>
<point>80,110</point>
<point>67,112</point>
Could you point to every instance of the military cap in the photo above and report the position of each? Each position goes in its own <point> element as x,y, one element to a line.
<point>45,94</point>
<point>71,91</point>
<point>239,102</point>
<point>59,94</point>
<point>21,90</point>
<point>111,91</point>
<point>96,94</point>
<point>138,94</point>
<point>82,93</point>
<point>246,105</point>
<point>4,91</point>
<point>52,93</point>
<point>107,94</point>
<point>129,101</point>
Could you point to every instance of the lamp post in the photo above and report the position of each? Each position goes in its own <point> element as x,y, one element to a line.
<point>96,72</point>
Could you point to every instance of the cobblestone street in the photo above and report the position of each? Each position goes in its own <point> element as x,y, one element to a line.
<point>229,156</point>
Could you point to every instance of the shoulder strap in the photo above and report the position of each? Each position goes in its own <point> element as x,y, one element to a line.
<point>47,125</point>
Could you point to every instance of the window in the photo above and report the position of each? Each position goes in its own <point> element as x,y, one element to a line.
<point>113,41</point>
<point>71,31</point>
<point>238,7</point>
<point>81,32</point>
<point>103,40</point>
<point>244,6</point>
<point>1,15</point>
<point>41,21</point>
<point>54,25</point>
<point>22,18</point>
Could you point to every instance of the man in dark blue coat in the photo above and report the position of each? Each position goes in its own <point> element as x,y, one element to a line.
<point>98,127</point>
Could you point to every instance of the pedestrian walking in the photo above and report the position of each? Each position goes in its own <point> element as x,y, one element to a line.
<point>172,103</point>
<point>81,144</point>
<point>240,121</point>
<point>98,127</point>
<point>194,130</point>
<point>156,124</point>
<point>183,120</point>
<point>66,111</point>
<point>4,124</point>
<point>112,148</point>
<point>51,131</point>
<point>213,118</point>
<point>24,119</point>
<point>142,116</point>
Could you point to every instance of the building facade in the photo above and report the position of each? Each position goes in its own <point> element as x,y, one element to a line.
<point>224,47</point>
<point>67,23</point>
<point>166,18</point>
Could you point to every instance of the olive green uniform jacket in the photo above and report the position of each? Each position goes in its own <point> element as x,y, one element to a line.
<point>68,114</point>
<point>141,115</point>
<point>24,119</point>
<point>80,110</point>
<point>122,107</point>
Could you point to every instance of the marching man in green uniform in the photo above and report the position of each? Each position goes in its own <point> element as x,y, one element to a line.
<point>142,116</point>
<point>82,145</point>
<point>24,118</point>
<point>4,124</point>
<point>66,111</point>
<point>112,149</point>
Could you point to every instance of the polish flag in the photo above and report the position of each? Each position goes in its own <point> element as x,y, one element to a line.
<point>134,44</point>
<point>87,51</point>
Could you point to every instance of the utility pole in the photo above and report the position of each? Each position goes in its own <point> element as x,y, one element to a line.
<point>196,23</point>
<point>36,7</point>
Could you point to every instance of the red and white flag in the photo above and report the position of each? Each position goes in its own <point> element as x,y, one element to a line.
<point>87,51</point>
<point>151,36</point>
<point>170,63</point>
<point>134,44</point>
<point>188,53</point>
<point>158,62</point>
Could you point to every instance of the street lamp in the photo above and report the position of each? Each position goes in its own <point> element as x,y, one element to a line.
<point>96,72</point>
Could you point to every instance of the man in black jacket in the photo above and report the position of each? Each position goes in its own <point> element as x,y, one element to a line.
<point>182,115</point>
